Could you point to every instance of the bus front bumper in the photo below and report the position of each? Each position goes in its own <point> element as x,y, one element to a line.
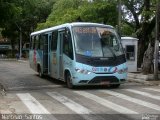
<point>100,79</point>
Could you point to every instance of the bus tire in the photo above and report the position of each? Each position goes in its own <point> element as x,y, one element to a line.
<point>40,72</point>
<point>115,85</point>
<point>69,80</point>
<point>152,68</point>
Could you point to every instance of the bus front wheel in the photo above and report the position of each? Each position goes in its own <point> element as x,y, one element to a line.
<point>115,85</point>
<point>69,81</point>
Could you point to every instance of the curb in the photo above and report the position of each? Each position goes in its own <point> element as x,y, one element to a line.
<point>23,60</point>
<point>137,81</point>
<point>150,83</point>
<point>10,59</point>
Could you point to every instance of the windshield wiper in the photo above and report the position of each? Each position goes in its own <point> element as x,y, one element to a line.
<point>114,55</point>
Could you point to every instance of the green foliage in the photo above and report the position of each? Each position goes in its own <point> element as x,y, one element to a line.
<point>127,30</point>
<point>24,14</point>
<point>8,11</point>
<point>99,11</point>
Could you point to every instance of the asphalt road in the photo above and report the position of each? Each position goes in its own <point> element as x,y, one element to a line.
<point>17,75</point>
<point>32,98</point>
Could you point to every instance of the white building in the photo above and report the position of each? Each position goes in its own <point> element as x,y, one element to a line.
<point>130,46</point>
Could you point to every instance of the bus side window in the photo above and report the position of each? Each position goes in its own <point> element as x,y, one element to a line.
<point>37,42</point>
<point>45,40</point>
<point>40,42</point>
<point>54,40</point>
<point>67,45</point>
<point>33,42</point>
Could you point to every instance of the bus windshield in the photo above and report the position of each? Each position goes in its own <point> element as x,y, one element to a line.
<point>97,41</point>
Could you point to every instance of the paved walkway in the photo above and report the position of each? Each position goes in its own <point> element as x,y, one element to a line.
<point>145,79</point>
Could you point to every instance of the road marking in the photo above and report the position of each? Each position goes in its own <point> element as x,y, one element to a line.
<point>35,107</point>
<point>143,93</point>
<point>106,103</point>
<point>131,99</point>
<point>32,104</point>
<point>34,87</point>
<point>77,108</point>
<point>69,103</point>
<point>23,61</point>
<point>153,89</point>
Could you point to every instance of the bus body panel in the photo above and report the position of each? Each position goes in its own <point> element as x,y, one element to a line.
<point>36,57</point>
<point>102,74</point>
<point>53,65</point>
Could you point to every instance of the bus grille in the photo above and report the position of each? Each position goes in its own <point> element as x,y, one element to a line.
<point>100,79</point>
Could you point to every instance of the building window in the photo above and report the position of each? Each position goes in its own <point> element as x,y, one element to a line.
<point>130,52</point>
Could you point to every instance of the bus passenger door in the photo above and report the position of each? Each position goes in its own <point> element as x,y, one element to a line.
<point>45,54</point>
<point>60,58</point>
<point>49,52</point>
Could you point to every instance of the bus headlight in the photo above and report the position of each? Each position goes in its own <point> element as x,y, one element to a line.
<point>121,71</point>
<point>83,71</point>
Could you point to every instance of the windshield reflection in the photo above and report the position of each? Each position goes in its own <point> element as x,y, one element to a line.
<point>97,42</point>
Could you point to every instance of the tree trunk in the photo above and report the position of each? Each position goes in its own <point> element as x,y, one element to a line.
<point>13,48</point>
<point>148,59</point>
<point>143,35</point>
<point>142,43</point>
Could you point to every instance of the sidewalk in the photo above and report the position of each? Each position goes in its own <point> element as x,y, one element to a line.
<point>14,59</point>
<point>144,79</point>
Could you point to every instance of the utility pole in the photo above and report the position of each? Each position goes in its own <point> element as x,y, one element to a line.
<point>156,50</point>
<point>20,43</point>
<point>119,17</point>
<point>20,40</point>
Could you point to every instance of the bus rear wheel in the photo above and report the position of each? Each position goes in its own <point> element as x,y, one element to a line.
<point>69,81</point>
<point>40,72</point>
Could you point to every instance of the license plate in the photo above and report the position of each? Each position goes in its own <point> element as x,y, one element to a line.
<point>104,82</point>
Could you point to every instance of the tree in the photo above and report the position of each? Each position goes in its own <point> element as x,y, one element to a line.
<point>146,37</point>
<point>26,15</point>
<point>142,18</point>
<point>69,11</point>
<point>8,10</point>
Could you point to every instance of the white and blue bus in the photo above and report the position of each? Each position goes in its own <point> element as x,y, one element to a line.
<point>79,54</point>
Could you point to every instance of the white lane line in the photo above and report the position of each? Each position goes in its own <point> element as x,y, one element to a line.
<point>31,87</point>
<point>77,108</point>
<point>106,103</point>
<point>32,104</point>
<point>143,93</point>
<point>23,61</point>
<point>69,103</point>
<point>153,89</point>
<point>134,100</point>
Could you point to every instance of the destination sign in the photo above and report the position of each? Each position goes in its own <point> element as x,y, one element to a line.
<point>85,30</point>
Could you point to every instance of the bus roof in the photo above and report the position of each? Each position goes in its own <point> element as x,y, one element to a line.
<point>67,25</point>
